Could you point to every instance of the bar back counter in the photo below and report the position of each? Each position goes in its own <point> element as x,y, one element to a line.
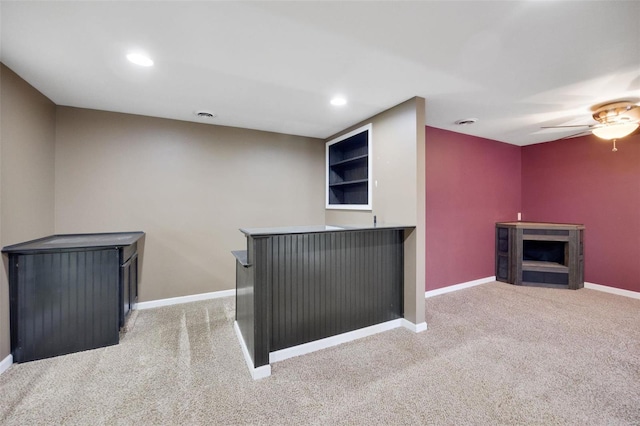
<point>71,292</point>
<point>302,288</point>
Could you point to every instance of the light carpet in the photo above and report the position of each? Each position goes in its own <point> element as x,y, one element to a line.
<point>493,354</point>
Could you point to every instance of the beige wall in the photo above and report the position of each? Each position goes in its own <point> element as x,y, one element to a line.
<point>398,136</point>
<point>188,186</point>
<point>394,170</point>
<point>27,140</point>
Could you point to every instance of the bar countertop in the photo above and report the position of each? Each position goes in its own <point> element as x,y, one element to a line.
<point>313,229</point>
<point>74,241</point>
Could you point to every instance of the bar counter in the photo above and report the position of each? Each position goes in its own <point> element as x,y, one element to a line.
<point>297,286</point>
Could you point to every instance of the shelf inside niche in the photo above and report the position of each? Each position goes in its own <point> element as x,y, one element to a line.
<point>349,182</point>
<point>538,266</point>
<point>351,160</point>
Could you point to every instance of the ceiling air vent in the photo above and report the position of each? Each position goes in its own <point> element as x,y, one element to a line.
<point>205,114</point>
<point>466,121</point>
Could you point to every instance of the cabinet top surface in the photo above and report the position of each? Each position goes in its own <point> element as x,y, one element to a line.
<point>75,241</point>
<point>313,229</point>
<point>541,225</point>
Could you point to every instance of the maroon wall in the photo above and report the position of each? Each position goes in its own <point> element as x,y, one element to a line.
<point>581,181</point>
<point>471,184</point>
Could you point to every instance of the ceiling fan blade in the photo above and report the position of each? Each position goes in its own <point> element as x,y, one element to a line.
<point>576,125</point>
<point>575,135</point>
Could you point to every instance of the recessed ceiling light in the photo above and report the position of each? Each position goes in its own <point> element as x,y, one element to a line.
<point>338,101</point>
<point>140,59</point>
<point>466,121</point>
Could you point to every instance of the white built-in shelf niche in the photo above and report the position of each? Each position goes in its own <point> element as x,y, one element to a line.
<point>348,162</point>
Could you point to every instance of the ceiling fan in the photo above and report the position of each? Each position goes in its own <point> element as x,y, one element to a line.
<point>615,120</point>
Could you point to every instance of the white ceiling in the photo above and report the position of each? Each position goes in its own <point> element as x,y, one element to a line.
<point>275,65</point>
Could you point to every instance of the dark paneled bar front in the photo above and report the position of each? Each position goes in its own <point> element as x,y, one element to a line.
<point>298,285</point>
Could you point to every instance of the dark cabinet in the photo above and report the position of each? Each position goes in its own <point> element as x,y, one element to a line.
<point>540,254</point>
<point>70,293</point>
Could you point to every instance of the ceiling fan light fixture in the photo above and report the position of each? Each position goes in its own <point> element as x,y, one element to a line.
<point>615,130</point>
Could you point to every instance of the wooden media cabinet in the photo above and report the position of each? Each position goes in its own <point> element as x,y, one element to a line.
<point>540,254</point>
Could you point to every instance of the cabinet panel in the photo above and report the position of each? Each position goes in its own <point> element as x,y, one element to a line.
<point>128,287</point>
<point>125,291</point>
<point>63,303</point>
<point>134,280</point>
<point>502,268</point>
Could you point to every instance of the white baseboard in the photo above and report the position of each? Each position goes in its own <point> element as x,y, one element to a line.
<point>457,287</point>
<point>6,363</point>
<point>613,290</point>
<point>416,328</point>
<point>328,342</point>
<point>184,299</point>
<point>256,373</point>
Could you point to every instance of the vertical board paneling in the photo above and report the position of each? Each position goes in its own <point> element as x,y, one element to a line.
<point>263,252</point>
<point>61,304</point>
<point>325,284</point>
